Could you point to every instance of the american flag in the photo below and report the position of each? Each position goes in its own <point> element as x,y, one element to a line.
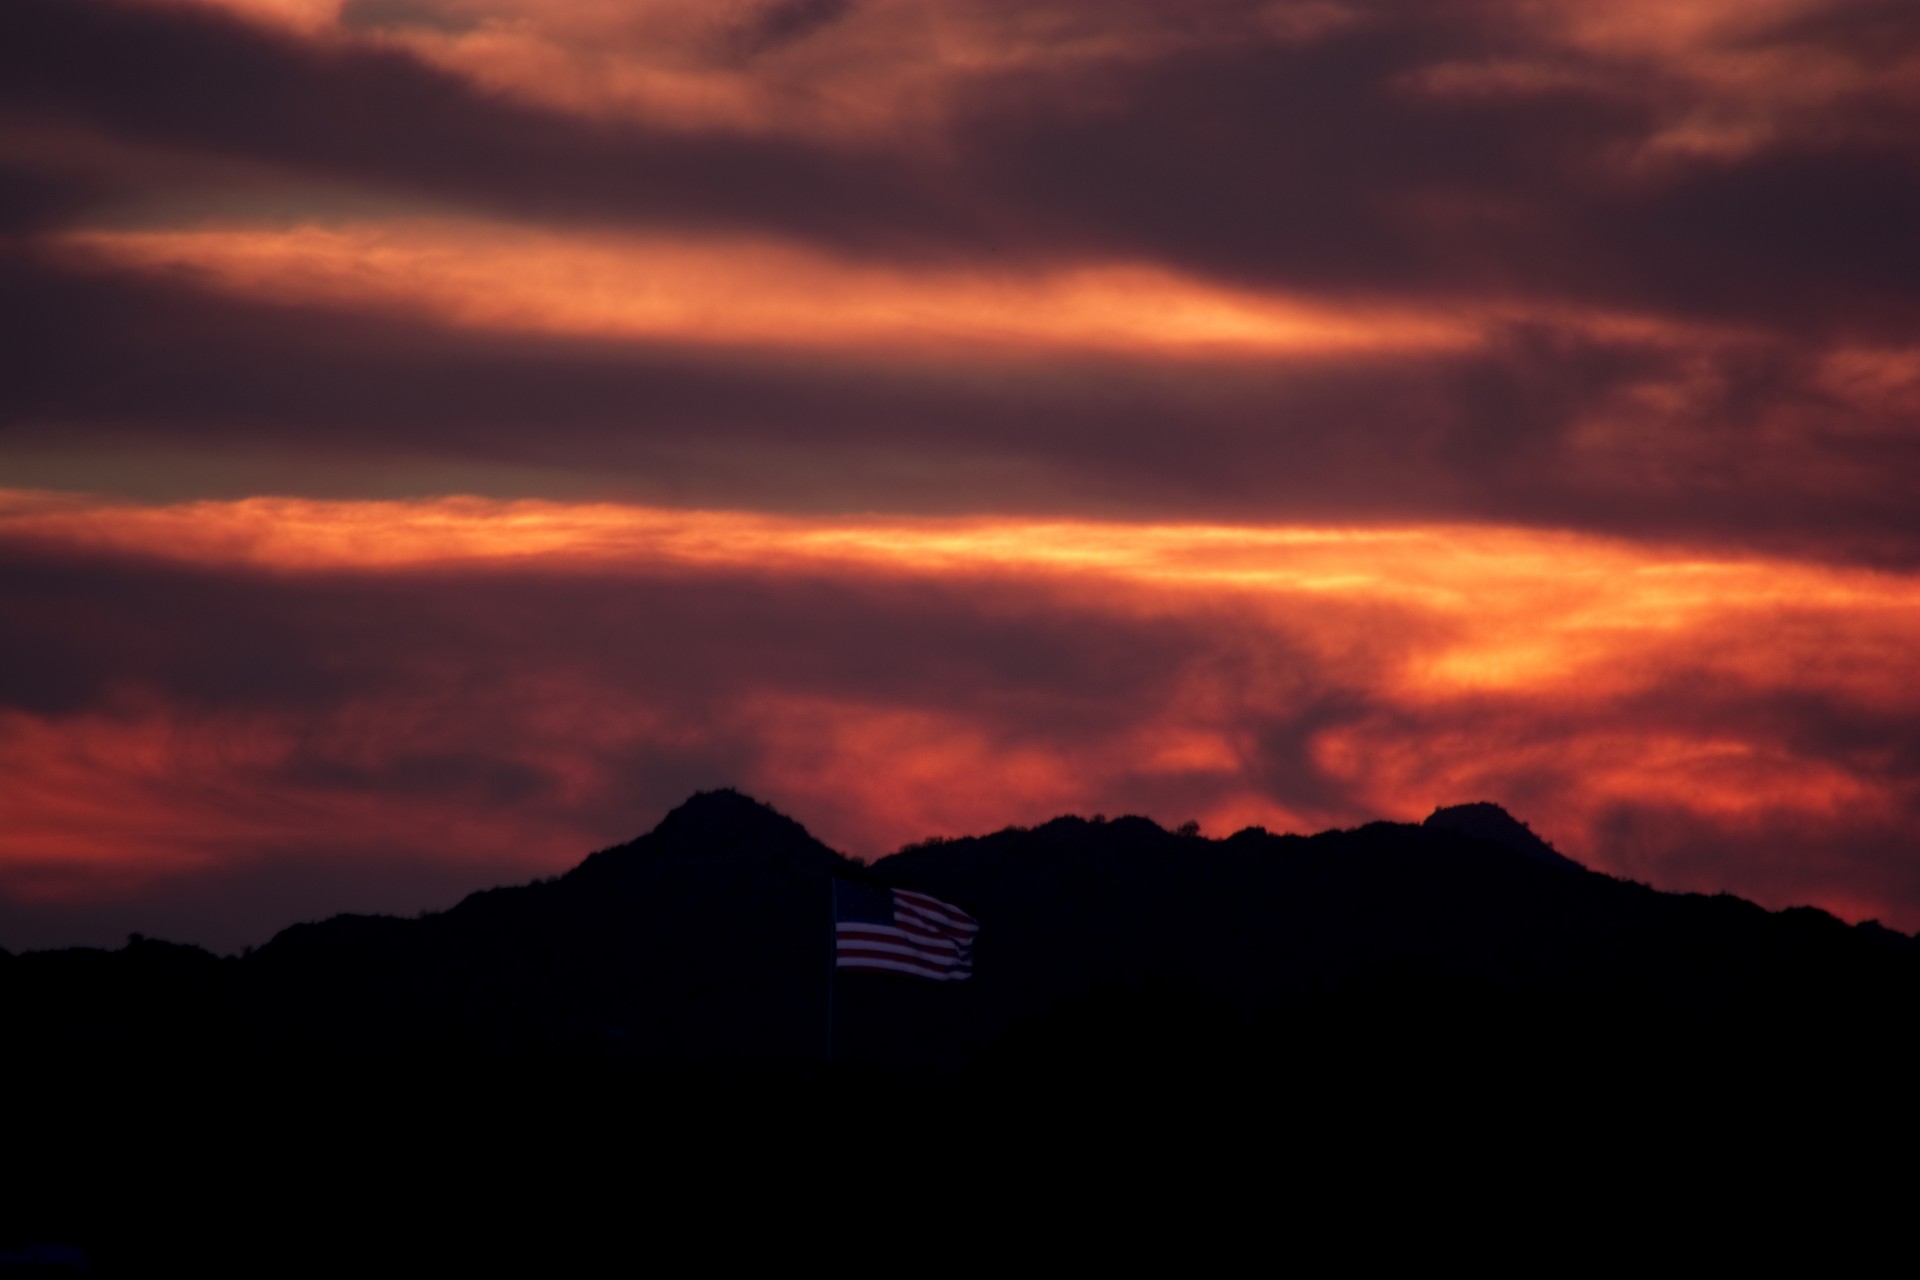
<point>900,931</point>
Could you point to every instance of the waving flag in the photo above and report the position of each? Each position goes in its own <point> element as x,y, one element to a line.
<point>900,931</point>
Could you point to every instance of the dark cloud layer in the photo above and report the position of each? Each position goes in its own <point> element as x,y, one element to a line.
<point>187,78</point>
<point>85,632</point>
<point>784,22</point>
<point>1743,446</point>
<point>1320,164</point>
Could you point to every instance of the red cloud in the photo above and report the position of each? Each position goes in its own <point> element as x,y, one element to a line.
<point>199,692</point>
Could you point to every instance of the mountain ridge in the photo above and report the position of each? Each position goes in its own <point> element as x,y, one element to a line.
<point>1332,1007</point>
<point>709,938</point>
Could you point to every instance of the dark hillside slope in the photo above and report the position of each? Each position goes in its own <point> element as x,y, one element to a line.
<point>706,938</point>
<point>710,939</point>
<point>1391,915</point>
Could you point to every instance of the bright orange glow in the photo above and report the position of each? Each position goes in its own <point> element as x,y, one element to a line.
<point>307,17</point>
<point>1503,609</point>
<point>1516,630</point>
<point>144,793</point>
<point>502,278</point>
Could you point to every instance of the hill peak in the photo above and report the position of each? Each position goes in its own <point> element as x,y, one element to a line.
<point>727,813</point>
<point>1484,820</point>
<point>724,826</point>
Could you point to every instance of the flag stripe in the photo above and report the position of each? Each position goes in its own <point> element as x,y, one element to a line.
<point>928,913</point>
<point>916,926</point>
<point>853,946</point>
<point>853,959</point>
<point>934,913</point>
<point>903,948</point>
<point>869,942</point>
<point>944,931</point>
<point>893,963</point>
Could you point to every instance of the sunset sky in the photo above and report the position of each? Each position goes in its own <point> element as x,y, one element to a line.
<point>437,436</point>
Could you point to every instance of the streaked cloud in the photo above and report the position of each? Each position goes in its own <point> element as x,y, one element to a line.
<point>932,416</point>
<point>480,680</point>
<point>505,278</point>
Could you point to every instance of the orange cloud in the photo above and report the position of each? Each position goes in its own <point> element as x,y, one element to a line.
<point>1504,608</point>
<point>756,292</point>
<point>1570,675</point>
<point>182,795</point>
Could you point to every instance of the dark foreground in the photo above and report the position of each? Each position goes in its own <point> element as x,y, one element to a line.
<point>1139,1133</point>
<point>1406,1044</point>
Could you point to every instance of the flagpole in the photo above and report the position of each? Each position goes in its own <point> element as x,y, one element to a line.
<point>833,956</point>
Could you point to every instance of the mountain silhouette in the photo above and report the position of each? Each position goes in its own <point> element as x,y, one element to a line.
<point>705,938</point>
<point>709,939</point>
<point>1486,821</point>
<point>649,1034</point>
